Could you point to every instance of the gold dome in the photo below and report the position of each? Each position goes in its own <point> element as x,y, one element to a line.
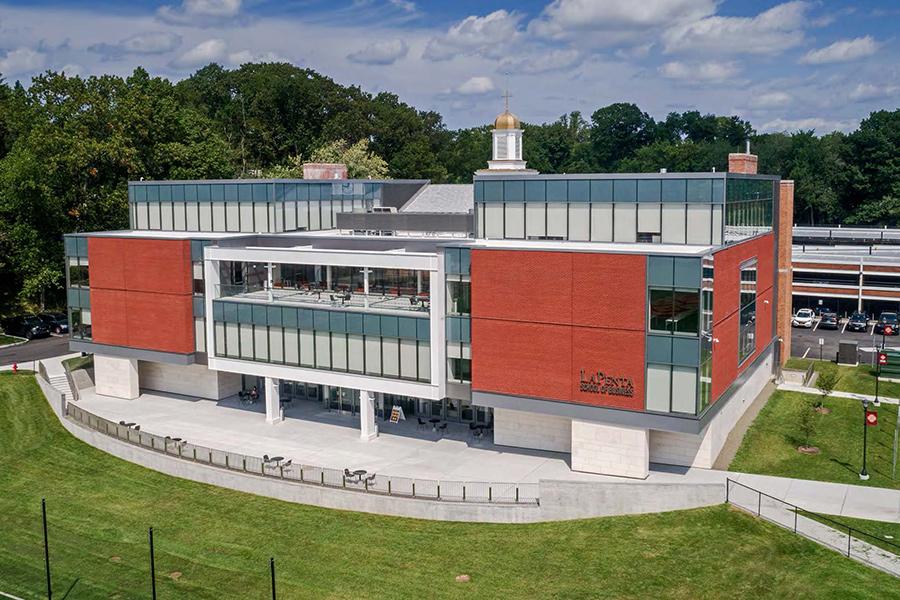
<point>507,120</point>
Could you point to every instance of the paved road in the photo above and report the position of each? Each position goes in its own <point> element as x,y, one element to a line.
<point>35,350</point>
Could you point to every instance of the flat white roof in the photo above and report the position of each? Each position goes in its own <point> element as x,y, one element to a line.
<point>609,247</point>
<point>164,235</point>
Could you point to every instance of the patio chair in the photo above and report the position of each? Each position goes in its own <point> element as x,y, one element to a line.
<point>265,458</point>
<point>422,422</point>
<point>442,428</point>
<point>348,474</point>
<point>370,479</point>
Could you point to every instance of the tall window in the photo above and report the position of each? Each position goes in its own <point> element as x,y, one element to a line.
<point>747,333</point>
<point>674,311</point>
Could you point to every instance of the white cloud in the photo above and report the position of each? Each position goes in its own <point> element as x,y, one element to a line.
<point>842,51</point>
<point>404,5</point>
<point>382,52</point>
<point>22,60</point>
<point>213,50</point>
<point>568,18</point>
<point>770,100</point>
<point>542,61</point>
<point>71,69</point>
<point>770,32</point>
<point>247,56</point>
<point>200,13</point>
<point>475,86</point>
<point>487,36</point>
<point>819,124</point>
<point>869,91</point>
<point>153,42</point>
<point>703,71</point>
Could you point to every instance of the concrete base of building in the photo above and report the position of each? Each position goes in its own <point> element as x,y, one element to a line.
<point>521,429</point>
<point>610,449</point>
<point>188,380</point>
<point>115,376</point>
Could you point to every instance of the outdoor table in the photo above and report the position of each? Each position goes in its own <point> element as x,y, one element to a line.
<point>434,423</point>
<point>276,460</point>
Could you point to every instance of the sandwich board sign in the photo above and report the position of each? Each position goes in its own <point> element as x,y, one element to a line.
<point>397,414</point>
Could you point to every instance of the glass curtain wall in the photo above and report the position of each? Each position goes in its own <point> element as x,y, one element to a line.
<point>749,206</point>
<point>78,281</point>
<point>747,332</point>
<point>650,210</point>
<point>458,315</point>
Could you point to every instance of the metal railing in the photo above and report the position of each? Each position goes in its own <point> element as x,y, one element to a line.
<point>425,489</point>
<point>873,550</point>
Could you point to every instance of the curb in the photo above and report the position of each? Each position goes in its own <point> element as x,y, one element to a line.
<point>14,344</point>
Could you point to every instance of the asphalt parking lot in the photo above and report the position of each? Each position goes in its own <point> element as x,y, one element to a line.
<point>805,342</point>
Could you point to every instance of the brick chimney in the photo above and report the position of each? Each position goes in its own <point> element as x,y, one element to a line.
<point>785,270</point>
<point>324,171</point>
<point>743,162</point>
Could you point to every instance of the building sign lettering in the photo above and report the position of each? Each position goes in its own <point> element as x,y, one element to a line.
<point>601,383</point>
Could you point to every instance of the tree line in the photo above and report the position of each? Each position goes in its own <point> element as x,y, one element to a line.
<point>69,145</point>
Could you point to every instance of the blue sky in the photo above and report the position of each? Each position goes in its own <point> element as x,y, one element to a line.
<point>810,64</point>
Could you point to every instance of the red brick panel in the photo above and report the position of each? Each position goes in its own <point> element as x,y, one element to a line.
<point>141,293</point>
<point>106,257</point>
<point>601,283</point>
<point>163,322</point>
<point>618,354</point>
<point>109,317</point>
<point>522,285</point>
<point>817,291</point>
<point>764,315</point>
<point>523,359</point>
<point>724,355</point>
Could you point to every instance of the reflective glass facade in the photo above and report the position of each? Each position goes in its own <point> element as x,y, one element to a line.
<point>247,207</point>
<point>667,209</point>
<point>78,292</point>
<point>457,263</point>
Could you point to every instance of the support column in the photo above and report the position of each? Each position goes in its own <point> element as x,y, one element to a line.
<point>610,449</point>
<point>784,302</point>
<point>368,429</point>
<point>273,400</point>
<point>116,376</point>
<point>328,281</point>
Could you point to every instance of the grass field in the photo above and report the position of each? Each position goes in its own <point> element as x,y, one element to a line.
<point>215,543</point>
<point>880,533</point>
<point>8,339</point>
<point>770,445</point>
<point>859,379</point>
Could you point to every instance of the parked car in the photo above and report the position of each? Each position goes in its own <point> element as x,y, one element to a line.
<point>57,322</point>
<point>26,326</point>
<point>886,318</point>
<point>828,321</point>
<point>803,318</point>
<point>858,322</point>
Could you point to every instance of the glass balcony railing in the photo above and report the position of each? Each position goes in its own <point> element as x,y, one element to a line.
<point>321,297</point>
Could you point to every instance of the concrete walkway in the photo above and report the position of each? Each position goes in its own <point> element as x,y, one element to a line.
<point>795,387</point>
<point>314,436</point>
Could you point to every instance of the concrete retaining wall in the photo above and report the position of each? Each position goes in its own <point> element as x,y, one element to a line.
<point>560,500</point>
<point>188,380</point>
<point>521,429</point>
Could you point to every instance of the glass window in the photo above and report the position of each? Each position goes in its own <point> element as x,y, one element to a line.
<point>747,325</point>
<point>684,390</point>
<point>659,379</point>
<point>674,311</point>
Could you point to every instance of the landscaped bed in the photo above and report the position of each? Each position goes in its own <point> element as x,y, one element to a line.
<point>6,340</point>
<point>859,379</point>
<point>215,543</point>
<point>770,445</point>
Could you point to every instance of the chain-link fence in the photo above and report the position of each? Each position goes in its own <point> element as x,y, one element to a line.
<point>287,470</point>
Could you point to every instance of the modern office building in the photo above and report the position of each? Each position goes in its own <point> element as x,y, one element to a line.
<point>846,269</point>
<point>620,318</point>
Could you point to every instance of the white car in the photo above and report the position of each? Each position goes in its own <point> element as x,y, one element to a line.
<point>803,318</point>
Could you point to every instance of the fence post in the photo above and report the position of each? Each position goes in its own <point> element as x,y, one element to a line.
<point>464,493</point>
<point>244,463</point>
<point>439,491</point>
<point>490,493</point>
<point>301,473</point>
<point>152,567</point>
<point>389,487</point>
<point>414,489</point>
<point>209,454</point>
<point>272,571</point>
<point>226,460</point>
<point>849,538</point>
<point>46,547</point>
<point>727,490</point>
<point>759,504</point>
<point>323,477</point>
<point>517,494</point>
<point>796,510</point>
<point>195,454</point>
<point>281,471</point>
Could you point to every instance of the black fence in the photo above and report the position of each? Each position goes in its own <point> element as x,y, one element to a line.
<point>287,470</point>
<point>873,550</point>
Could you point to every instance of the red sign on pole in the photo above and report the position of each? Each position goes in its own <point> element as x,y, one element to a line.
<point>871,418</point>
<point>882,358</point>
<point>888,330</point>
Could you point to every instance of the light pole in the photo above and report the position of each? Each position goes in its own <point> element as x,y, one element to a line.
<point>864,475</point>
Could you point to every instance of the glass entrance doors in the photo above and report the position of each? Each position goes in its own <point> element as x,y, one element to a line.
<point>343,400</point>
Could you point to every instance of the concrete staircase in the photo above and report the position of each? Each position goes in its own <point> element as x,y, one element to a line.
<point>61,384</point>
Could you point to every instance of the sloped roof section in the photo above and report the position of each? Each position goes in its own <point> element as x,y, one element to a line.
<point>442,198</point>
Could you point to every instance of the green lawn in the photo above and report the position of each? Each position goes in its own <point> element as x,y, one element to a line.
<point>770,445</point>
<point>79,362</point>
<point>8,339</point>
<point>859,379</point>
<point>880,533</point>
<point>220,540</point>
